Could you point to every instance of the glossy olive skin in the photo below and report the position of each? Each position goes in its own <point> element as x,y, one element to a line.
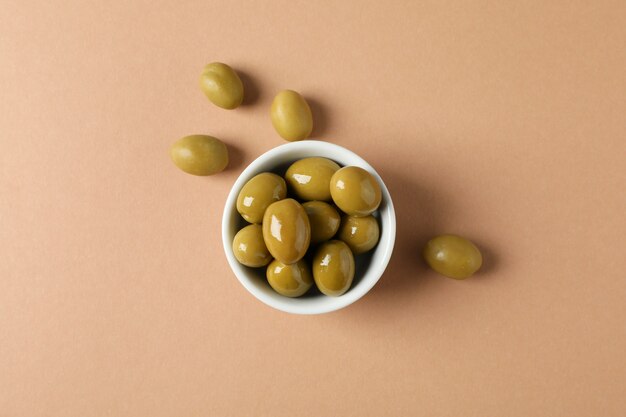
<point>361,234</point>
<point>286,231</point>
<point>291,116</point>
<point>324,220</point>
<point>249,247</point>
<point>200,154</point>
<point>355,191</point>
<point>289,280</point>
<point>258,193</point>
<point>333,268</point>
<point>453,256</point>
<point>221,84</point>
<point>309,178</point>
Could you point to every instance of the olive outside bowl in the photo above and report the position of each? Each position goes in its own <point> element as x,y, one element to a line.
<point>369,266</point>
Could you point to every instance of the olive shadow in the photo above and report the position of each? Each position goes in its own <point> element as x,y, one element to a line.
<point>236,156</point>
<point>491,260</point>
<point>251,90</point>
<point>321,119</point>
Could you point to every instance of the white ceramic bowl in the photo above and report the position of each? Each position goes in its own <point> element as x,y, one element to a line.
<point>369,267</point>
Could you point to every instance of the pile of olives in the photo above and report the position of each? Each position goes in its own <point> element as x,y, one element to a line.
<point>307,227</point>
<point>283,230</point>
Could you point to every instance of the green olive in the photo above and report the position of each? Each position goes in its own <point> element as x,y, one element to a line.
<point>200,155</point>
<point>249,247</point>
<point>309,178</point>
<point>360,233</point>
<point>333,268</point>
<point>258,193</point>
<point>291,116</point>
<point>355,191</point>
<point>289,280</point>
<point>222,85</point>
<point>286,231</point>
<point>324,220</point>
<point>453,256</point>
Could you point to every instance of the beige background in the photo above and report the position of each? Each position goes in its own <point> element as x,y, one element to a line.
<point>501,121</point>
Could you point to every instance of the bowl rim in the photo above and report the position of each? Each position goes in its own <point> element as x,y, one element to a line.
<point>328,304</point>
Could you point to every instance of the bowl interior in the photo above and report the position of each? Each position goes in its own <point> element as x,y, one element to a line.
<point>369,266</point>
